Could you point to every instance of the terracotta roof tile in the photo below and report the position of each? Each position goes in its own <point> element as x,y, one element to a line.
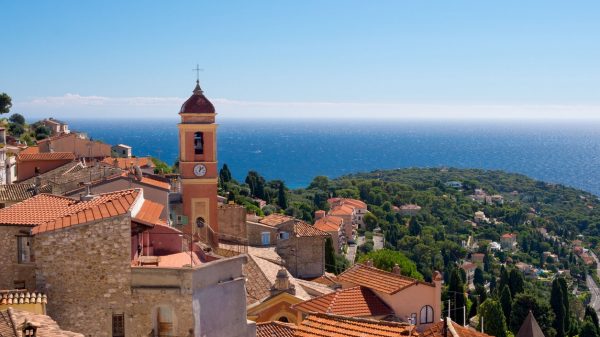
<point>275,329</point>
<point>351,202</point>
<point>377,279</point>
<point>49,212</point>
<point>329,223</point>
<point>342,210</point>
<point>353,302</point>
<point>30,149</point>
<point>20,192</point>
<point>149,213</point>
<point>275,219</point>
<point>437,330</point>
<point>322,325</point>
<point>126,163</point>
<point>302,229</point>
<point>46,156</point>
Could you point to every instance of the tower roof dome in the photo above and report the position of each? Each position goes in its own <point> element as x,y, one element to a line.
<point>197,103</point>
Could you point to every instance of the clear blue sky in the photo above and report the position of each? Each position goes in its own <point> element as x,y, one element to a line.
<point>304,58</point>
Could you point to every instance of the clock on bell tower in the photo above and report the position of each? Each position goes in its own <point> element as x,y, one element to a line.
<point>198,165</point>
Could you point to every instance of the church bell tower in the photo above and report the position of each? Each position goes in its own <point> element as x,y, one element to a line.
<point>198,166</point>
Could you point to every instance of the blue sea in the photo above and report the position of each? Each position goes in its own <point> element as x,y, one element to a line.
<point>298,150</point>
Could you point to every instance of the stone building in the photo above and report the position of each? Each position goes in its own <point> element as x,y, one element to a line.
<point>75,250</point>
<point>56,127</point>
<point>302,248</point>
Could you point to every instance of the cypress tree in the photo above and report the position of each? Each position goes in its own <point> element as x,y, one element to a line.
<point>506,303</point>
<point>494,324</point>
<point>516,282</point>
<point>504,279</point>
<point>329,255</point>
<point>558,306</point>
<point>565,292</point>
<point>281,197</point>
<point>478,277</point>
<point>591,314</point>
<point>225,174</point>
<point>456,291</point>
<point>588,329</point>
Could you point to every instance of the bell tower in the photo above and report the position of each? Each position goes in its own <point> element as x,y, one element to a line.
<point>198,166</point>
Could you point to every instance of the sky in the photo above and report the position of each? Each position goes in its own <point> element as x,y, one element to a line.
<point>434,59</point>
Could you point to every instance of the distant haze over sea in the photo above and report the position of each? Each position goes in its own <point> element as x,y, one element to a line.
<point>298,150</point>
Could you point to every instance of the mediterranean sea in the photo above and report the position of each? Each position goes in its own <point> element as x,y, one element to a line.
<point>298,150</point>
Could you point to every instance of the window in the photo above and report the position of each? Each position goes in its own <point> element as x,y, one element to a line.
<point>265,238</point>
<point>118,325</point>
<point>284,235</point>
<point>284,319</point>
<point>24,249</point>
<point>198,143</point>
<point>199,222</point>
<point>426,314</point>
<point>164,322</point>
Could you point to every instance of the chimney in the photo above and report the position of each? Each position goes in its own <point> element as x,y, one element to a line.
<point>396,270</point>
<point>319,214</point>
<point>369,263</point>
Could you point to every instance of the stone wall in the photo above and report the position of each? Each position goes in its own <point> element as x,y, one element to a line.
<point>85,271</point>
<point>254,232</point>
<point>11,271</point>
<point>304,256</point>
<point>232,220</point>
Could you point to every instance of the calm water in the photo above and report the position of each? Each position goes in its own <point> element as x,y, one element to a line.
<point>297,151</point>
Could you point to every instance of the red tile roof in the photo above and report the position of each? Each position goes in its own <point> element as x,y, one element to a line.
<point>30,149</point>
<point>456,330</point>
<point>329,223</point>
<point>149,213</point>
<point>302,229</point>
<point>36,210</point>
<point>275,329</point>
<point>342,210</point>
<point>275,219</point>
<point>103,206</point>
<point>352,202</point>
<point>377,279</point>
<point>353,302</point>
<point>126,163</point>
<point>46,156</point>
<point>321,325</point>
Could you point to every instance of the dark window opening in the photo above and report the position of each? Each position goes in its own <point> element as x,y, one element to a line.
<point>200,222</point>
<point>118,325</point>
<point>24,249</point>
<point>283,319</point>
<point>198,143</point>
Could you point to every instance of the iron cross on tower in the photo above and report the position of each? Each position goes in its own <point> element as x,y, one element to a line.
<point>198,70</point>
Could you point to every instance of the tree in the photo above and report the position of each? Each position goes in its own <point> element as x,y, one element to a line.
<point>516,282</point>
<point>16,129</point>
<point>414,227</point>
<point>17,119</point>
<point>320,183</point>
<point>558,307</point>
<point>225,174</point>
<point>386,259</point>
<point>478,278</point>
<point>456,291</point>
<point>370,221</point>
<point>42,132</point>
<point>565,292</point>
<point>504,278</point>
<point>506,302</point>
<point>522,304</point>
<point>329,255</point>
<point>5,103</point>
<point>491,314</point>
<point>281,197</point>
<point>588,329</point>
<point>591,314</point>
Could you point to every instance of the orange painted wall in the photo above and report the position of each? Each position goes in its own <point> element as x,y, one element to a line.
<point>26,169</point>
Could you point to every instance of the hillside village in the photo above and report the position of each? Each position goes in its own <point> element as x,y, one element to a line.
<point>98,242</point>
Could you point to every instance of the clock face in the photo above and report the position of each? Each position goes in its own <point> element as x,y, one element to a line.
<point>199,170</point>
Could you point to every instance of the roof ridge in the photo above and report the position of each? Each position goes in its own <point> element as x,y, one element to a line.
<point>362,320</point>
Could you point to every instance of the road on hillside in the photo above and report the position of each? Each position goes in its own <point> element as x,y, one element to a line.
<point>593,287</point>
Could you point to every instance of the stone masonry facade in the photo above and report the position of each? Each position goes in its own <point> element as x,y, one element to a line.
<point>12,273</point>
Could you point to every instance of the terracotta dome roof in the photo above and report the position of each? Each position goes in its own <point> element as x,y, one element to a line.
<point>197,103</point>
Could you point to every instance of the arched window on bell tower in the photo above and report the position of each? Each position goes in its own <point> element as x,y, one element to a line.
<point>198,143</point>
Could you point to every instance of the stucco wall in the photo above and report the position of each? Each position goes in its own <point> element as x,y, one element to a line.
<point>26,169</point>
<point>232,220</point>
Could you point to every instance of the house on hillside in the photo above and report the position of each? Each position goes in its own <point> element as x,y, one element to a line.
<point>56,127</point>
<point>122,150</point>
<point>76,143</point>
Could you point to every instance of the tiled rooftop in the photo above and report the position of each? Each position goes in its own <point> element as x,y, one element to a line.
<point>377,279</point>
<point>342,210</point>
<point>352,202</point>
<point>149,213</point>
<point>329,223</point>
<point>455,330</point>
<point>352,302</point>
<point>302,229</point>
<point>37,210</point>
<point>46,326</point>
<point>126,163</point>
<point>46,156</point>
<point>275,219</point>
<point>102,206</point>
<point>12,297</point>
<point>20,192</point>
<point>322,325</point>
<point>275,329</point>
